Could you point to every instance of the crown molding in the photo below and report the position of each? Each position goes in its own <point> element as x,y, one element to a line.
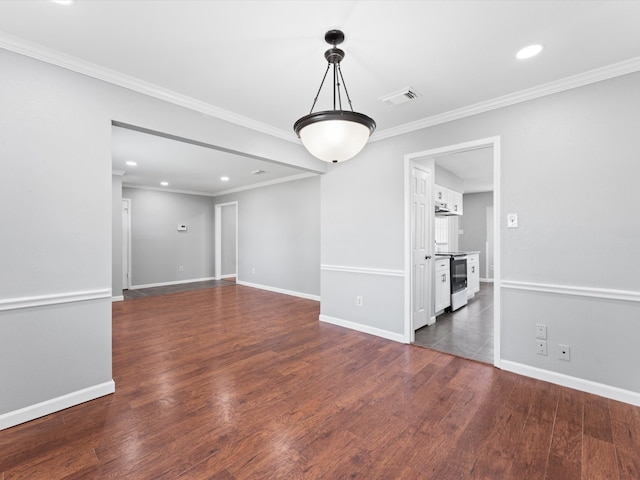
<point>54,57</point>
<point>291,178</point>
<point>253,186</point>
<point>599,74</point>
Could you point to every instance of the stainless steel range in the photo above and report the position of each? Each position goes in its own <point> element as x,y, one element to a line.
<point>458,262</point>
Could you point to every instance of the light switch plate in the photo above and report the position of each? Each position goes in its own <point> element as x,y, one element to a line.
<point>512,220</point>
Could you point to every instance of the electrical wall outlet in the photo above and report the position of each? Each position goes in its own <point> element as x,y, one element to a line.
<point>542,347</point>
<point>565,352</point>
<point>541,331</point>
<point>181,268</point>
<point>359,301</point>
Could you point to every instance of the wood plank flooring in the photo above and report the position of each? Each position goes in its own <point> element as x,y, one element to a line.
<point>236,383</point>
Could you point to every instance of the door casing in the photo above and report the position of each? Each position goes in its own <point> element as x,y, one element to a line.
<point>409,160</point>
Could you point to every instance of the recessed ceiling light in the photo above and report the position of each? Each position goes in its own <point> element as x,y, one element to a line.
<point>164,184</point>
<point>132,164</point>
<point>63,2</point>
<point>224,179</point>
<point>530,51</point>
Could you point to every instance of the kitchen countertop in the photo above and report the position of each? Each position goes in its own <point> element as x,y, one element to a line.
<point>447,254</point>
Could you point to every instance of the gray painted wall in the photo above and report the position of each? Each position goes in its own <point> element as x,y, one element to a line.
<point>279,235</point>
<point>56,129</point>
<point>447,179</point>
<point>474,225</point>
<point>562,157</point>
<point>158,249</point>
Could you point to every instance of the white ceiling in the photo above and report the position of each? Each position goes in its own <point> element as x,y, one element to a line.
<point>259,63</point>
<point>188,167</point>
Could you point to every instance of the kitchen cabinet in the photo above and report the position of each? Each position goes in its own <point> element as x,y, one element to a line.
<point>473,274</point>
<point>441,196</point>
<point>455,202</point>
<point>448,202</point>
<point>442,297</point>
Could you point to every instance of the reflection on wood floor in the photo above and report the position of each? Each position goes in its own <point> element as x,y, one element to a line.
<point>181,287</point>
<point>237,383</point>
<point>467,332</point>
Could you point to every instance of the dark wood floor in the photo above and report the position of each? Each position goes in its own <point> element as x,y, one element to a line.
<point>467,332</point>
<point>237,383</point>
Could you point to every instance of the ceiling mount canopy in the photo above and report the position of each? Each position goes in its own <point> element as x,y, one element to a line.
<point>334,135</point>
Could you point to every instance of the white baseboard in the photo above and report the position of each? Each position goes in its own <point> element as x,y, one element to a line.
<point>230,275</point>
<point>119,298</point>
<point>307,296</point>
<point>176,282</point>
<point>396,337</point>
<point>581,384</point>
<point>38,410</point>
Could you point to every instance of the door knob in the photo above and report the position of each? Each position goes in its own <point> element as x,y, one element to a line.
<point>428,257</point>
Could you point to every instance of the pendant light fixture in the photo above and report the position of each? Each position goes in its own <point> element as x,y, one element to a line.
<point>334,135</point>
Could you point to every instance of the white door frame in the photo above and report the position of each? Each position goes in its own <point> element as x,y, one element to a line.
<point>126,240</point>
<point>494,142</point>
<point>427,228</point>
<point>218,239</point>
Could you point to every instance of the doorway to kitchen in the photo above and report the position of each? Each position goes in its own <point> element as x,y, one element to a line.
<point>473,330</point>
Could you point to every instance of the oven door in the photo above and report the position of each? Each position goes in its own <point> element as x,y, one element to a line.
<point>458,274</point>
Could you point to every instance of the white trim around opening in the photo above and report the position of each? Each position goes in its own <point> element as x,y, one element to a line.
<point>490,142</point>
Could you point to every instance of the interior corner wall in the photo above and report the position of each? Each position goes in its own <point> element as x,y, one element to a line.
<point>474,226</point>
<point>116,236</point>
<point>564,159</point>
<point>158,248</point>
<point>279,236</point>
<point>55,295</point>
<point>444,177</point>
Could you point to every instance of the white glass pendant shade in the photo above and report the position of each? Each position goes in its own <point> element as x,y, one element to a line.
<point>334,136</point>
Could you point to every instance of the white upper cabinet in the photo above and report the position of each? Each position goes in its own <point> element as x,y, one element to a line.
<point>441,196</point>
<point>448,202</point>
<point>455,202</point>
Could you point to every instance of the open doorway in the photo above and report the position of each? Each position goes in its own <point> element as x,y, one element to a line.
<point>473,330</point>
<point>172,183</point>
<point>226,241</point>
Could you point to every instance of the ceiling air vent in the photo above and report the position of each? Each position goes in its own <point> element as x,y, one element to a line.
<point>401,96</point>
<point>258,172</point>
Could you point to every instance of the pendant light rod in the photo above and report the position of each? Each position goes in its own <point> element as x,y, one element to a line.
<point>320,89</point>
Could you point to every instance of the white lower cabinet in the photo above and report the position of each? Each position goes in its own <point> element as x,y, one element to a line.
<point>442,285</point>
<point>473,274</point>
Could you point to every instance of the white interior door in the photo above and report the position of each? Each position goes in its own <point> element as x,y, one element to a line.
<point>126,243</point>
<point>421,246</point>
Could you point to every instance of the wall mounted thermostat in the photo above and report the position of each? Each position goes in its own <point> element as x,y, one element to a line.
<point>182,227</point>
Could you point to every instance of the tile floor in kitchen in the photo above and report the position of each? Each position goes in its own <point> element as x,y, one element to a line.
<point>467,332</point>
